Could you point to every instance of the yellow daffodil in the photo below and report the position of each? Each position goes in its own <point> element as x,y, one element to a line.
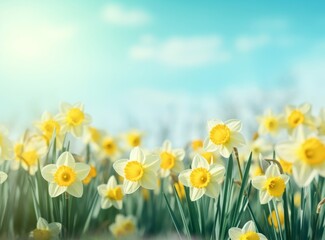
<point>48,125</point>
<point>111,194</point>
<point>46,231</point>
<point>171,160</point>
<point>273,220</point>
<point>306,152</point>
<point>73,118</point>
<point>299,116</point>
<point>133,138</point>
<point>248,232</point>
<point>28,152</point>
<point>92,174</point>
<point>3,177</point>
<point>109,147</point>
<point>203,178</point>
<point>123,226</point>
<point>6,148</point>
<point>270,123</point>
<point>138,170</point>
<point>224,136</point>
<point>271,185</point>
<point>65,176</point>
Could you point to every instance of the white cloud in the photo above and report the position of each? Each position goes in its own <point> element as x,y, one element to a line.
<point>250,43</point>
<point>181,51</point>
<point>117,15</point>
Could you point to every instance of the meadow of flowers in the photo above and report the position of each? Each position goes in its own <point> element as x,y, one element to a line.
<point>66,179</point>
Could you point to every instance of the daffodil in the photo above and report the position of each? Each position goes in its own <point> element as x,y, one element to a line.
<point>29,152</point>
<point>299,116</point>
<point>270,123</point>
<point>259,146</point>
<point>138,170</point>
<point>273,220</point>
<point>203,178</point>
<point>123,226</point>
<point>73,118</point>
<point>92,174</point>
<point>65,176</point>
<point>46,231</point>
<point>48,125</point>
<point>306,152</point>
<point>3,177</point>
<point>248,232</point>
<point>224,136</point>
<point>271,185</point>
<point>199,148</point>
<point>171,160</point>
<point>133,138</point>
<point>109,147</point>
<point>6,148</point>
<point>93,136</point>
<point>111,194</point>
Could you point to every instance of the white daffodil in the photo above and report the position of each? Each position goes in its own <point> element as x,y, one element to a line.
<point>47,231</point>
<point>198,148</point>
<point>306,152</point>
<point>123,226</point>
<point>270,123</point>
<point>48,125</point>
<point>6,147</point>
<point>203,178</point>
<point>171,160</point>
<point>3,177</point>
<point>111,193</point>
<point>301,115</point>
<point>138,170</point>
<point>133,138</point>
<point>247,232</point>
<point>109,148</point>
<point>224,136</point>
<point>29,152</point>
<point>271,185</point>
<point>73,118</point>
<point>259,146</point>
<point>65,176</point>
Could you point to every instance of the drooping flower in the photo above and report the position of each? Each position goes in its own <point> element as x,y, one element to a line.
<point>111,194</point>
<point>224,136</point>
<point>46,231</point>
<point>306,152</point>
<point>73,118</point>
<point>3,177</point>
<point>171,160</point>
<point>248,232</point>
<point>271,185</point>
<point>138,170</point>
<point>123,226</point>
<point>6,147</point>
<point>299,116</point>
<point>270,123</point>
<point>65,176</point>
<point>203,178</point>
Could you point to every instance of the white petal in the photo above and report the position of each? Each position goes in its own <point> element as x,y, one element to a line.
<point>82,170</point>
<point>249,227</point>
<point>225,152</point>
<point>264,197</point>
<point>234,125</point>
<point>76,189</point>
<point>305,107</point>
<point>179,154</point>
<point>258,182</point>
<point>130,187</point>
<point>196,193</point>
<point>111,182</point>
<point>77,131</point>
<point>119,166</point>
<point>167,146</point>
<point>42,224</point>
<point>184,177</point>
<point>137,155</point>
<point>272,171</point>
<point>212,190</point>
<point>65,107</point>
<point>178,167</point>
<point>209,146</point>
<point>303,174</point>
<point>199,162</point>
<point>237,139</point>
<point>66,159</point>
<point>48,172</point>
<point>152,162</point>
<point>55,190</point>
<point>55,228</point>
<point>105,203</point>
<point>262,237</point>
<point>3,177</point>
<point>234,233</point>
<point>217,171</point>
<point>286,178</point>
<point>149,180</point>
<point>286,151</point>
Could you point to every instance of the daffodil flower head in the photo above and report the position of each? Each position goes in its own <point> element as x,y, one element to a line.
<point>123,226</point>
<point>3,177</point>
<point>73,118</point>
<point>47,231</point>
<point>203,178</point>
<point>248,232</point>
<point>111,194</point>
<point>299,116</point>
<point>171,160</point>
<point>306,152</point>
<point>271,185</point>
<point>6,146</point>
<point>224,136</point>
<point>138,170</point>
<point>270,123</point>
<point>65,176</point>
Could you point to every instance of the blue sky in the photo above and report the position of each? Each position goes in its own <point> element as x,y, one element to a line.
<point>107,52</point>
